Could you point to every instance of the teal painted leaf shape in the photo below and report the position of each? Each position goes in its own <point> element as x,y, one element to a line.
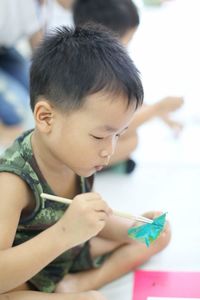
<point>149,232</point>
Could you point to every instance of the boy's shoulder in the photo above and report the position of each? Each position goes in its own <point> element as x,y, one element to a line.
<point>18,158</point>
<point>18,152</point>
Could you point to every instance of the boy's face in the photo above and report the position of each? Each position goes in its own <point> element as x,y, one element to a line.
<point>127,37</point>
<point>85,139</point>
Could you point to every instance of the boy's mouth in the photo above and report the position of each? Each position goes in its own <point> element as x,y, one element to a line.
<point>98,168</point>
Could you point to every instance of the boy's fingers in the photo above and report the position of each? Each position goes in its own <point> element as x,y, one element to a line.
<point>95,201</point>
<point>90,196</point>
<point>102,216</point>
<point>99,204</point>
<point>102,206</point>
<point>152,214</point>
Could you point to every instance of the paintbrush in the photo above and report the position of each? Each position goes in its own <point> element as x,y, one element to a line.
<point>116,213</point>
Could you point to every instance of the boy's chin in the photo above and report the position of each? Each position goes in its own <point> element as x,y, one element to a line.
<point>86,173</point>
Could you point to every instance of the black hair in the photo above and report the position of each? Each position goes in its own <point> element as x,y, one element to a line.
<point>120,16</point>
<point>71,64</point>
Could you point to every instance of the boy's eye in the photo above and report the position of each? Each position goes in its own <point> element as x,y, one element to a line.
<point>97,137</point>
<point>101,138</point>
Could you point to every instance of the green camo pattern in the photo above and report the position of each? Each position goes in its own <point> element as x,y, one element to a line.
<point>19,159</point>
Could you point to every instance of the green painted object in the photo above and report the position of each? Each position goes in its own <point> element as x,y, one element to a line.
<point>149,232</point>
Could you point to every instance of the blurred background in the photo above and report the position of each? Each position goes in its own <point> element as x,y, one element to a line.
<point>165,168</point>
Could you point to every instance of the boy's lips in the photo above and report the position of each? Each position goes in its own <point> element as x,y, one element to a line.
<point>98,168</point>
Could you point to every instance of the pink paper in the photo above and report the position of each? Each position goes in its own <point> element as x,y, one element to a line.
<point>166,284</point>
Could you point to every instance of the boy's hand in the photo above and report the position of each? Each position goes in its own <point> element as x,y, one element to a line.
<point>85,218</point>
<point>150,215</point>
<point>174,125</point>
<point>154,214</point>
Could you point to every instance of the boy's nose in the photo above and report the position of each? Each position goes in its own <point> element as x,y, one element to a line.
<point>108,152</point>
<point>105,154</point>
<point>109,149</point>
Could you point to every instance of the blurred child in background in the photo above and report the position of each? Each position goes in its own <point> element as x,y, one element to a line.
<point>122,18</point>
<point>18,19</point>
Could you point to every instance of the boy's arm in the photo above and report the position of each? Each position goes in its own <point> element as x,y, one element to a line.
<point>158,109</point>
<point>22,262</point>
<point>84,219</point>
<point>143,115</point>
<point>129,140</point>
<point>116,228</point>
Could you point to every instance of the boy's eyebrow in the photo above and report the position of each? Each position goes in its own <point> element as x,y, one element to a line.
<point>110,129</point>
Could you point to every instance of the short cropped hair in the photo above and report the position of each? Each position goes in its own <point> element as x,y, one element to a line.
<point>120,16</point>
<point>71,64</point>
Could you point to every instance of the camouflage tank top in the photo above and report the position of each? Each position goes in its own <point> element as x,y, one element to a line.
<point>19,159</point>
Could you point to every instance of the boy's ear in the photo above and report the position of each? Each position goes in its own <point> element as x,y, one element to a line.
<point>44,115</point>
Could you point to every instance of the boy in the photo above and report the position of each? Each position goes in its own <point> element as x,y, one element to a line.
<point>121,16</point>
<point>84,90</point>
